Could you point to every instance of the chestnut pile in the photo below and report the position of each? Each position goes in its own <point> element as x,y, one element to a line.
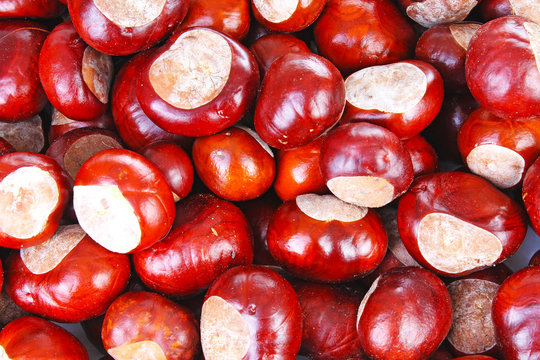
<point>268,179</point>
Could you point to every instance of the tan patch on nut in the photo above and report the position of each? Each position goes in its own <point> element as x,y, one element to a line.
<point>463,33</point>
<point>131,13</point>
<point>97,72</point>
<point>224,332</point>
<point>430,13</point>
<point>258,138</point>
<point>25,135</point>
<point>84,148</point>
<point>3,354</point>
<point>194,70</point>
<point>147,350</point>
<point>472,329</point>
<point>452,245</point>
<point>276,11</point>
<point>365,300</point>
<point>533,30</point>
<point>42,258</point>
<point>502,166</point>
<point>529,9</point>
<point>394,88</point>
<point>60,119</point>
<point>328,208</point>
<point>367,191</point>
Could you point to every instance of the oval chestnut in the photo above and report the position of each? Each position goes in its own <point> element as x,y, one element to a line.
<point>287,16</point>
<point>251,312</point>
<point>492,9</point>
<point>68,278</point>
<point>61,124</point>
<point>123,201</point>
<point>429,13</point>
<point>25,135</point>
<point>531,194</point>
<point>455,223</point>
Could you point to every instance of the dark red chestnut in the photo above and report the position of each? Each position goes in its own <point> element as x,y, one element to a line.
<point>121,27</point>
<point>123,201</point>
<point>403,97</point>
<point>531,194</point>
<point>492,9</point>
<point>535,259</point>
<point>34,193</point>
<point>365,164</point>
<point>68,278</point>
<point>516,315</point>
<point>61,124</point>
<point>475,357</point>
<point>383,36</point>
<point>250,313</point>
<point>24,135</point>
<point>5,147</point>
<point>31,9</point>
<point>429,13</point>
<point>199,83</point>
<point>234,164</point>
<point>406,314</point>
<point>503,67</point>
<point>287,16</point>
<point>455,223</point>
<point>423,156</point>
<point>144,325</point>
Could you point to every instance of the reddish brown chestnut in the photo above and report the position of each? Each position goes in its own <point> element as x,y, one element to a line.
<point>251,312</point>
<point>492,9</point>
<point>429,13</point>
<point>234,164</point>
<point>322,238</point>
<point>287,16</point>
<point>123,201</point>
<point>531,194</point>
<point>516,315</point>
<point>61,124</point>
<point>365,164</point>
<point>143,325</point>
<point>406,314</point>
<point>403,97</point>
<point>210,236</point>
<point>34,193</point>
<point>5,147</point>
<point>24,135</point>
<point>535,259</point>
<point>383,36</point>
<point>499,150</point>
<point>31,9</point>
<point>199,83</point>
<point>454,223</point>
<point>423,156</point>
<point>68,278</point>
<point>503,67</point>
<point>122,27</point>
<point>32,338</point>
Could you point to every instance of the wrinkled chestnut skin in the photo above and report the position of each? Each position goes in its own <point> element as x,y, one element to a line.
<point>21,93</point>
<point>531,194</point>
<point>32,338</point>
<point>329,326</point>
<point>109,38</point>
<point>141,315</point>
<point>383,36</point>
<point>516,315</point>
<point>61,124</point>
<point>326,251</point>
<point>305,14</point>
<point>276,324</point>
<point>82,286</point>
<point>423,156</point>
<point>405,301</point>
<point>411,122</point>
<point>467,197</point>
<point>210,236</point>
<point>298,171</point>
<point>268,48</point>
<point>506,84</point>
<point>233,164</point>
<point>225,110</point>
<point>60,71</point>
<point>31,9</point>
<point>286,116</point>
<point>230,17</point>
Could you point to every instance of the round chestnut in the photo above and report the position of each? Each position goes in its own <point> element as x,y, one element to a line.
<point>429,13</point>
<point>287,16</point>
<point>44,9</point>
<point>423,156</point>
<point>61,124</point>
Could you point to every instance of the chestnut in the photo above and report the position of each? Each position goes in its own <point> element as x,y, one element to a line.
<point>287,16</point>
<point>516,314</point>
<point>383,35</point>
<point>123,201</point>
<point>24,135</point>
<point>499,150</point>
<point>455,223</point>
<point>295,112</point>
<point>423,156</point>
<point>32,338</point>
<point>30,9</point>
<point>365,164</point>
<point>531,194</point>
<point>144,325</point>
<point>322,238</point>
<point>234,164</point>
<point>61,124</point>
<point>535,259</point>
<point>429,13</point>
<point>506,51</point>
<point>5,147</point>
<point>492,9</point>
<point>123,27</point>
<point>34,193</point>
<point>251,312</point>
<point>210,235</point>
<point>406,314</point>
<point>199,83</point>
<point>68,278</point>
<point>75,77</point>
<point>403,97</point>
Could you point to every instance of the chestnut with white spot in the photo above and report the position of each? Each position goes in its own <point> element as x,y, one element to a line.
<point>287,15</point>
<point>429,13</point>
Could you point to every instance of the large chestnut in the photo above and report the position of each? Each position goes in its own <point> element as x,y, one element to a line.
<point>429,13</point>
<point>287,16</point>
<point>250,313</point>
<point>531,194</point>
